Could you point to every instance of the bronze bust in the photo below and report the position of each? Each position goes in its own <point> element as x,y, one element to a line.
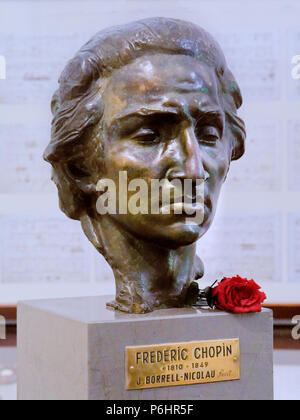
<point>153,99</point>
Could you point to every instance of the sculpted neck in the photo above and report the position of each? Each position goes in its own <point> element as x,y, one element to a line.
<point>147,275</point>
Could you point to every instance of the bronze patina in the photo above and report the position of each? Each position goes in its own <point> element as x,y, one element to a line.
<point>153,99</point>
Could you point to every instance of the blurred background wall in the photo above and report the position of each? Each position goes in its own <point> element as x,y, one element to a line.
<point>257,228</point>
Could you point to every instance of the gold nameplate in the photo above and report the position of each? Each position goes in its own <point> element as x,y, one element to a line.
<point>176,364</point>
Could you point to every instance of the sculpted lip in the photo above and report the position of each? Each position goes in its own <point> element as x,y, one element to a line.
<point>182,207</point>
<point>183,202</point>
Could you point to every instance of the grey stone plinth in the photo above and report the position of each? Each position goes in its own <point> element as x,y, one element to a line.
<point>75,349</point>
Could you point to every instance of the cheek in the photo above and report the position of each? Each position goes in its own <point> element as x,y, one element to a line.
<point>223,166</point>
<point>130,160</point>
<point>217,161</point>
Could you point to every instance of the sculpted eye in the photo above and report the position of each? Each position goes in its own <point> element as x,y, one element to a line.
<point>208,134</point>
<point>146,136</point>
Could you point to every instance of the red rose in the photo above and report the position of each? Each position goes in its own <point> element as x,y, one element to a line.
<point>238,295</point>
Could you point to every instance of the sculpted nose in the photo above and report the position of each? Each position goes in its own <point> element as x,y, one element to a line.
<point>189,162</point>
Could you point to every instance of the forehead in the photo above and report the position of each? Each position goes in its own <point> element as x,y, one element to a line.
<point>161,82</point>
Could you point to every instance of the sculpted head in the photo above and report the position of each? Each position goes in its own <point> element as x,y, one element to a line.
<point>154,99</point>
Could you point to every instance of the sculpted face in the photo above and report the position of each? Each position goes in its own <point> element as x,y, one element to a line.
<point>124,107</point>
<point>163,119</point>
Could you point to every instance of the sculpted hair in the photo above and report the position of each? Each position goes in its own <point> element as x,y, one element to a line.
<point>77,104</point>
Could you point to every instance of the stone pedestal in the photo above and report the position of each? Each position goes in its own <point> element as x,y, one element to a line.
<point>74,349</point>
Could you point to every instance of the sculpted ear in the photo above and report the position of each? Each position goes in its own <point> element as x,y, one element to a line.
<point>78,174</point>
<point>73,188</point>
<point>238,133</point>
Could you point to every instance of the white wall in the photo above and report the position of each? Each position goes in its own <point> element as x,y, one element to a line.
<point>257,228</point>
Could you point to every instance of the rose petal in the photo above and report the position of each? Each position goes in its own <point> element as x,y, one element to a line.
<point>238,295</point>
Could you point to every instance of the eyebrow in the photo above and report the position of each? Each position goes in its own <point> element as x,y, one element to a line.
<point>215,114</point>
<point>143,112</point>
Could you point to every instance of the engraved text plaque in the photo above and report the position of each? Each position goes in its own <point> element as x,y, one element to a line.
<point>182,364</point>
